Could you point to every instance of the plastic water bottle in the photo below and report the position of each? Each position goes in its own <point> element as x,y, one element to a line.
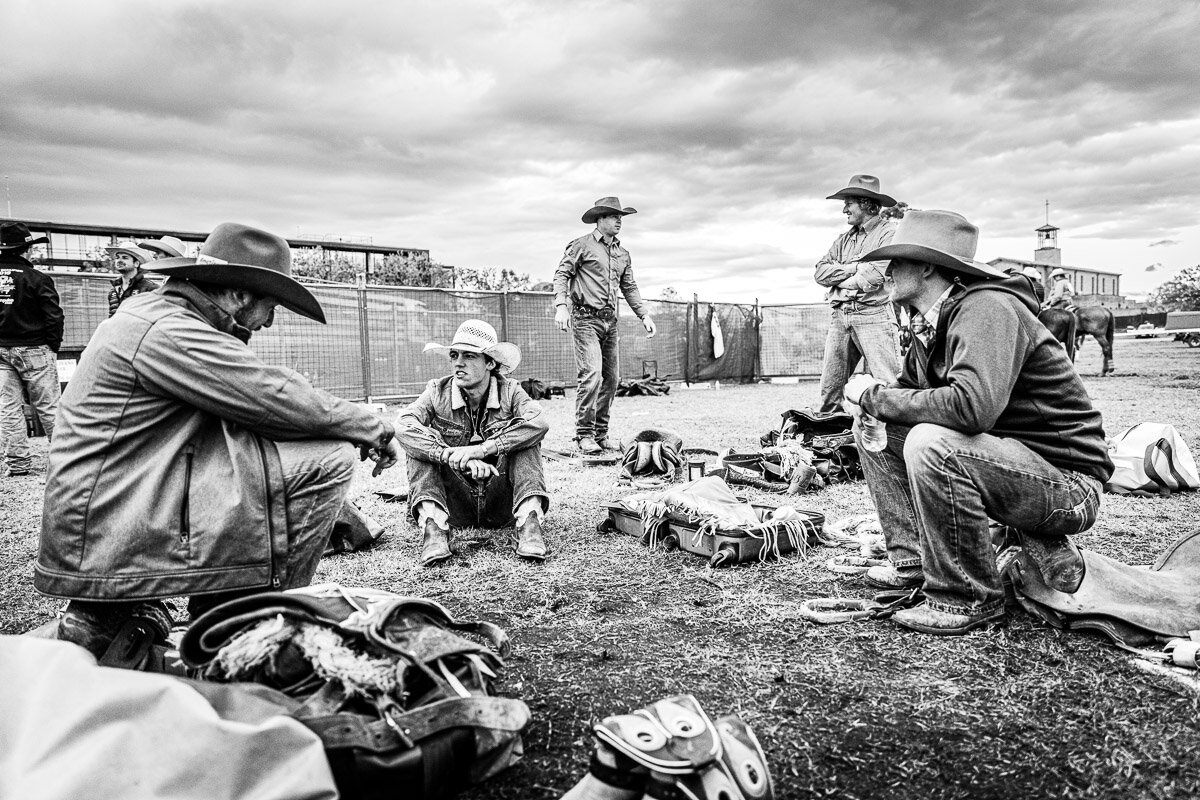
<point>874,433</point>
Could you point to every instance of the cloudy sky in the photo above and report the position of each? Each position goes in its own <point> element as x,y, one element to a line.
<point>482,130</point>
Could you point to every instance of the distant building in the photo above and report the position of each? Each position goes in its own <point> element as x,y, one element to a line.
<point>81,247</point>
<point>1092,286</point>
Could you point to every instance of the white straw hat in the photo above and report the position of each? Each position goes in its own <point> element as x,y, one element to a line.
<point>477,336</point>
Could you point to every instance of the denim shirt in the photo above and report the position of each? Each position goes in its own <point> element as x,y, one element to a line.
<point>591,273</point>
<point>439,418</point>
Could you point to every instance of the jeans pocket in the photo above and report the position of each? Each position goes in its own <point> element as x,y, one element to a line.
<point>32,358</point>
<point>1072,520</point>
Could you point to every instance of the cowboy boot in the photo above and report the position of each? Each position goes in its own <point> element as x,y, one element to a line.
<point>530,542</point>
<point>435,544</point>
<point>1058,559</point>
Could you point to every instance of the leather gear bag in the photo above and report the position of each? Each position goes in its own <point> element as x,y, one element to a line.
<point>828,435</point>
<point>398,696</point>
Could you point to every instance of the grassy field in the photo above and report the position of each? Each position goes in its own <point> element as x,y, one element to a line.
<point>867,710</point>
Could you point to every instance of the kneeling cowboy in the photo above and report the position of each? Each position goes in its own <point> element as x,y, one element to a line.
<point>473,441</point>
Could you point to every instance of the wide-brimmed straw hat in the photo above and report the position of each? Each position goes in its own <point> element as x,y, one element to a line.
<point>477,336</point>
<point>606,207</point>
<point>863,186</point>
<point>240,257</point>
<point>169,246</point>
<point>16,234</point>
<point>139,255</point>
<point>937,237</point>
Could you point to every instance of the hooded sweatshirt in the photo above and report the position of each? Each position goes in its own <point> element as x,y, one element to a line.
<point>991,367</point>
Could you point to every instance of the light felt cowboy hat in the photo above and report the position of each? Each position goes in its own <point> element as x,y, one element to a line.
<point>16,234</point>
<point>937,237</point>
<point>477,336</point>
<point>139,255</point>
<point>863,186</point>
<point>606,207</point>
<point>1032,272</point>
<point>168,246</point>
<point>1058,273</point>
<point>241,257</point>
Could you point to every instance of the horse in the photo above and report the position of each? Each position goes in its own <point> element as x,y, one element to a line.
<point>1071,328</point>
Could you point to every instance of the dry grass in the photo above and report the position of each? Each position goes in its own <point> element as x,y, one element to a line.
<point>854,711</point>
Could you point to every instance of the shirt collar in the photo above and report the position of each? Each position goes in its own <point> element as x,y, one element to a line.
<point>935,311</point>
<point>458,400</point>
<point>870,225</point>
<point>204,305</point>
<point>600,238</point>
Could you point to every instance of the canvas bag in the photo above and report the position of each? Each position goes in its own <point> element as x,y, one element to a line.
<point>1151,457</point>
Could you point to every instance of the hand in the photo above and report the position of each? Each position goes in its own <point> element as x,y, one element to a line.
<point>857,385</point>
<point>479,469</point>
<point>457,457</point>
<point>562,318</point>
<point>650,327</point>
<point>384,458</point>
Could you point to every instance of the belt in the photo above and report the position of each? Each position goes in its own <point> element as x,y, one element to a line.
<point>857,305</point>
<point>599,313</point>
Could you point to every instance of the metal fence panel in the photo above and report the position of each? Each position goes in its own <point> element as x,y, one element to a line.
<point>373,345</point>
<point>668,348</point>
<point>792,339</point>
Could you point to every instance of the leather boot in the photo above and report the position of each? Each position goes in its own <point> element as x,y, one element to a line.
<point>435,544</point>
<point>1059,560</point>
<point>530,542</point>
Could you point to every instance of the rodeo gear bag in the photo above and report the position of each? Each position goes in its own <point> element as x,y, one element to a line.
<point>397,696</point>
<point>828,435</point>
<point>1151,458</point>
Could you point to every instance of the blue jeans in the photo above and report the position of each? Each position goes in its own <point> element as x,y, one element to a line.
<point>316,480</point>
<point>857,332</point>
<point>487,503</point>
<point>935,488</point>
<point>36,368</point>
<point>596,358</point>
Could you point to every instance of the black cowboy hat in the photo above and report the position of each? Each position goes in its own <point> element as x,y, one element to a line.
<point>16,234</point>
<point>241,257</point>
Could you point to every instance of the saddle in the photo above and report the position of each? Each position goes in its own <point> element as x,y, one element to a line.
<point>1134,606</point>
<point>654,458</point>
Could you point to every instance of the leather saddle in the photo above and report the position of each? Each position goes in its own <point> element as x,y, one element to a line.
<point>1134,606</point>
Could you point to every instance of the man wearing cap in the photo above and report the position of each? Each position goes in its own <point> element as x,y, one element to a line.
<point>1061,291</point>
<point>586,283</point>
<point>166,247</point>
<point>987,419</point>
<point>861,324</point>
<point>473,441</point>
<point>127,259</point>
<point>31,330</point>
<point>184,465</point>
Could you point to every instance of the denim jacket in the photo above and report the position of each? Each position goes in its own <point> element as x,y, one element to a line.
<point>439,419</point>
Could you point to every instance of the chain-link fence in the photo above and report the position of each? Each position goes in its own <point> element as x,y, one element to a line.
<point>373,344</point>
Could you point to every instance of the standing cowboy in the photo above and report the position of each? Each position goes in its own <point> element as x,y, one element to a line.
<point>861,324</point>
<point>31,330</point>
<point>585,295</point>
<point>1061,291</point>
<point>127,259</point>
<point>184,465</point>
<point>473,444</point>
<point>987,419</point>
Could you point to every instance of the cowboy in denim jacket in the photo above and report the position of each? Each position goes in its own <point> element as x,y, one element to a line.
<point>473,441</point>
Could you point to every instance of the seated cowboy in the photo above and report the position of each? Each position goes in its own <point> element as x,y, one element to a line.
<point>1062,294</point>
<point>987,419</point>
<point>184,465</point>
<point>127,259</point>
<point>473,441</point>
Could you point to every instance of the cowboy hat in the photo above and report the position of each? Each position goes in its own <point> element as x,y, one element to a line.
<point>863,186</point>
<point>169,246</point>
<point>241,257</point>
<point>476,336</point>
<point>606,207</point>
<point>1058,273</point>
<point>139,255</point>
<point>1032,272</point>
<point>16,234</point>
<point>937,237</point>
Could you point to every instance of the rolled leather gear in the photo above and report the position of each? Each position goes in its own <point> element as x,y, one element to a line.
<point>687,754</point>
<point>653,458</point>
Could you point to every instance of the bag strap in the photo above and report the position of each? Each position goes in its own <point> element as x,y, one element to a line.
<point>347,730</point>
